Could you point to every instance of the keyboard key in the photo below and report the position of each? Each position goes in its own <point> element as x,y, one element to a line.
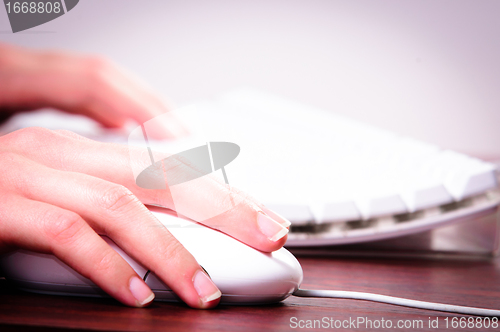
<point>336,212</point>
<point>297,214</point>
<point>475,179</point>
<point>425,195</point>
<point>380,206</point>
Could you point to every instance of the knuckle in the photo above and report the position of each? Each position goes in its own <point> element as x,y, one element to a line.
<point>37,131</point>
<point>7,157</point>
<point>96,66</point>
<point>118,198</point>
<point>174,250</point>
<point>70,134</point>
<point>30,139</point>
<point>96,72</point>
<point>179,169</point>
<point>63,227</point>
<point>10,164</point>
<point>106,263</point>
<point>66,132</point>
<point>226,199</point>
<point>30,134</point>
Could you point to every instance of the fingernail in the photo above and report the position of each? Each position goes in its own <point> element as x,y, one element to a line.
<point>277,217</point>
<point>272,229</point>
<point>141,291</point>
<point>205,287</point>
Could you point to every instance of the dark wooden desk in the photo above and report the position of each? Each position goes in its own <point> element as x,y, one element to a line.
<point>473,283</point>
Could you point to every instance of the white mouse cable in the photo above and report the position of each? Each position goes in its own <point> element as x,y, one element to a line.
<point>397,301</point>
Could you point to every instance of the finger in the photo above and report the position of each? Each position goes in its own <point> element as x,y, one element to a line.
<point>244,220</point>
<point>274,215</point>
<point>87,85</point>
<point>252,225</point>
<point>43,227</point>
<point>112,210</point>
<point>115,91</point>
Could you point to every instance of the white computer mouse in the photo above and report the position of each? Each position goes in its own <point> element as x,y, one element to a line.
<point>243,274</point>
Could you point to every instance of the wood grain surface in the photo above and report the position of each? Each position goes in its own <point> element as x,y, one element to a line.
<point>461,282</point>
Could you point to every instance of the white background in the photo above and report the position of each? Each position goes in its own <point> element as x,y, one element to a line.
<point>428,69</point>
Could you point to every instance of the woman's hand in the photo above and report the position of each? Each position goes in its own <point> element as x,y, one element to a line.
<point>58,191</point>
<point>86,85</point>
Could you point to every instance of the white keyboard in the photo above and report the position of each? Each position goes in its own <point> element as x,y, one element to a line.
<point>341,181</point>
<point>337,180</point>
